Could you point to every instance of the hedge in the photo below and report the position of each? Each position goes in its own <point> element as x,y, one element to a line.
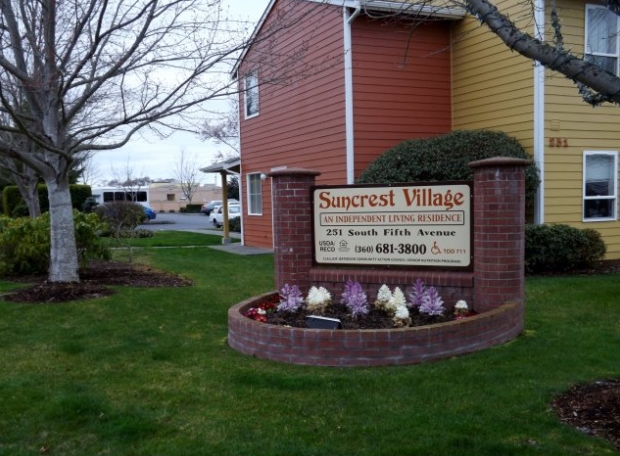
<point>14,205</point>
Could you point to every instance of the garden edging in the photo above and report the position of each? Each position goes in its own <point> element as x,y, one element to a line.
<point>371,347</point>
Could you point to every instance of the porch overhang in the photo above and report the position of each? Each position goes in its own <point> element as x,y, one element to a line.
<point>225,168</point>
<point>232,166</point>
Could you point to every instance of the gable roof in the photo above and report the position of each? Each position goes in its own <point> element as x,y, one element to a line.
<point>410,7</point>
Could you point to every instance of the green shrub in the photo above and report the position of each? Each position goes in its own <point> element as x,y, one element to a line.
<point>192,208</point>
<point>11,198</point>
<point>88,227</point>
<point>120,216</point>
<point>138,233</point>
<point>234,225</point>
<point>25,243</point>
<point>446,158</point>
<point>561,248</point>
<point>20,210</point>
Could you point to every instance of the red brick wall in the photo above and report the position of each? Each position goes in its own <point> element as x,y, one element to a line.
<point>292,226</point>
<point>371,347</point>
<point>499,239</point>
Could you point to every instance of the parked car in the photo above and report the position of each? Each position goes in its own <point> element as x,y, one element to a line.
<point>150,213</point>
<point>211,205</point>
<point>208,208</point>
<point>217,217</point>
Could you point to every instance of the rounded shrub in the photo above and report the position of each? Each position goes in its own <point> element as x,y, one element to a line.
<point>138,233</point>
<point>561,248</point>
<point>192,208</point>
<point>234,225</point>
<point>25,243</point>
<point>121,215</point>
<point>446,158</point>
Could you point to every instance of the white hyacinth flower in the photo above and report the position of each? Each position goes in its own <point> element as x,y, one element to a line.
<point>384,294</point>
<point>402,313</point>
<point>461,305</point>
<point>401,317</point>
<point>398,299</point>
<point>318,299</point>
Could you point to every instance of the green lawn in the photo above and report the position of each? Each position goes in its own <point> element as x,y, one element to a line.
<point>148,372</point>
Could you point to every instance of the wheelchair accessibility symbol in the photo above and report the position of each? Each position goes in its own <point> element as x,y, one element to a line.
<point>435,250</point>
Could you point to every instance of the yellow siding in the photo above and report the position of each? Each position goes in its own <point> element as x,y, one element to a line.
<point>491,86</point>
<point>585,128</point>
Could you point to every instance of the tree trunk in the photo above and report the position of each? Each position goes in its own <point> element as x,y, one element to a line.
<point>30,194</point>
<point>27,181</point>
<point>32,200</point>
<point>63,251</point>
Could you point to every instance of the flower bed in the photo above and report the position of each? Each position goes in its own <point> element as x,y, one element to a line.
<point>370,347</point>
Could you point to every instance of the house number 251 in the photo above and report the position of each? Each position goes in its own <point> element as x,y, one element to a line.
<point>558,142</point>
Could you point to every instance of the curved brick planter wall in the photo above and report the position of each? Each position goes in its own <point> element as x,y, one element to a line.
<point>371,347</point>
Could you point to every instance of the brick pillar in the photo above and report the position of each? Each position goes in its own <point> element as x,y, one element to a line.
<point>292,226</point>
<point>499,224</point>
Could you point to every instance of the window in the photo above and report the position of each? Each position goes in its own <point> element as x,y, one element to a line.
<point>170,197</point>
<point>141,196</point>
<point>251,94</point>
<point>600,185</point>
<point>255,194</point>
<point>602,37</point>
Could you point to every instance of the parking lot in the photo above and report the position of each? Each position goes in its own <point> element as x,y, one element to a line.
<point>184,222</point>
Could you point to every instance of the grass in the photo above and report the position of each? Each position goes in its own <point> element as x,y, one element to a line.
<point>165,238</point>
<point>148,372</point>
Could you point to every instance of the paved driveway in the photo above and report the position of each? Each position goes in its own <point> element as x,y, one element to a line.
<point>184,222</point>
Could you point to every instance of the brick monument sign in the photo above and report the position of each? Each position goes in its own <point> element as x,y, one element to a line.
<point>489,272</point>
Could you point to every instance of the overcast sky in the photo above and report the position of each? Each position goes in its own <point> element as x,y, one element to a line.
<point>156,158</point>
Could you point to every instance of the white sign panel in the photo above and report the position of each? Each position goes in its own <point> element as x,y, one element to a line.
<point>400,225</point>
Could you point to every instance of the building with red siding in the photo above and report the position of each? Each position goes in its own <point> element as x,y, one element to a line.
<point>330,85</point>
<point>330,88</point>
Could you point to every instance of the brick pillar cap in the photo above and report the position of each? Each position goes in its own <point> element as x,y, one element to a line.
<point>293,172</point>
<point>498,161</point>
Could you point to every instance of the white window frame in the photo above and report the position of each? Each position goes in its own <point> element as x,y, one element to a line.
<point>614,196</point>
<point>250,82</point>
<point>587,48</point>
<point>251,195</point>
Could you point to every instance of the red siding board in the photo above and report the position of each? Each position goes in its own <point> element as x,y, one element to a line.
<point>401,90</point>
<point>301,119</point>
<point>401,84</point>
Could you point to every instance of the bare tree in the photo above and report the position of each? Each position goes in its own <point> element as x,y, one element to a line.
<point>86,75</point>
<point>90,173</point>
<point>224,131</point>
<point>128,181</point>
<point>187,174</point>
<point>596,85</point>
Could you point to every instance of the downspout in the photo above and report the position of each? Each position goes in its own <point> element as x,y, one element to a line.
<point>240,167</point>
<point>539,114</point>
<point>348,19</point>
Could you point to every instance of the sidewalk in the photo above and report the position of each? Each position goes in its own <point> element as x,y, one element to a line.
<point>235,247</point>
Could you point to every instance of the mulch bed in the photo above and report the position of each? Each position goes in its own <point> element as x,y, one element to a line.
<point>375,319</point>
<point>593,408</point>
<point>95,282</point>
